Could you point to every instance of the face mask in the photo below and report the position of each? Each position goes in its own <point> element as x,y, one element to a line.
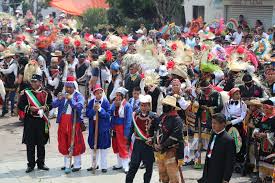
<point>166,108</point>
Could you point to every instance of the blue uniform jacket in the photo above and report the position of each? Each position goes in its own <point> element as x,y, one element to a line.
<point>126,121</point>
<point>103,116</point>
<point>76,103</point>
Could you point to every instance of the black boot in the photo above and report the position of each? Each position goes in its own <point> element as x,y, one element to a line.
<point>29,169</point>
<point>43,167</point>
<point>4,112</point>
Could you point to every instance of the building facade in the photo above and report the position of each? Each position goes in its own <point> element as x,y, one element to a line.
<point>252,10</point>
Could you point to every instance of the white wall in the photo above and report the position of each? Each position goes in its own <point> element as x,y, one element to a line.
<point>212,10</point>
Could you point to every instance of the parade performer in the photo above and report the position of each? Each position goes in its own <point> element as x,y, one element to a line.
<point>9,70</point>
<point>121,119</point>
<point>169,143</point>
<point>36,103</point>
<point>68,105</point>
<point>253,118</point>
<point>99,105</point>
<point>235,112</point>
<point>210,102</point>
<point>220,154</point>
<point>133,79</point>
<point>251,90</point>
<point>264,134</point>
<point>144,124</point>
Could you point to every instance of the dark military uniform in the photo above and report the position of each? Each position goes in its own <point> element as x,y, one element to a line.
<point>142,151</point>
<point>35,128</point>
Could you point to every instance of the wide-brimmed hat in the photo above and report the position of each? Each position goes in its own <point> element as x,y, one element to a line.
<point>171,101</point>
<point>179,70</point>
<point>56,53</point>
<point>254,102</point>
<point>6,54</point>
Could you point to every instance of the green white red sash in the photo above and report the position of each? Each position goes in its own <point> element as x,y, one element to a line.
<point>34,102</point>
<point>138,131</point>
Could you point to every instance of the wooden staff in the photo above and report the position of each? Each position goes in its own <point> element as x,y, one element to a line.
<point>95,143</point>
<point>181,175</point>
<point>71,149</point>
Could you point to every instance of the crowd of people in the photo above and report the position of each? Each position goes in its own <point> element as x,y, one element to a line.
<point>160,95</point>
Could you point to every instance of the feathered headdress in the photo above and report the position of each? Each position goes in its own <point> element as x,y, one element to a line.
<point>209,67</point>
<point>151,78</point>
<point>31,68</point>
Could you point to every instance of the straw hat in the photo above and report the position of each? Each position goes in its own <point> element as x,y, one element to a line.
<point>6,54</point>
<point>171,101</point>
<point>254,102</point>
<point>179,70</point>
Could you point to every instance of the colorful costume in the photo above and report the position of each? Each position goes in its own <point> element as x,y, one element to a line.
<point>65,119</point>
<point>121,119</point>
<point>170,138</point>
<point>143,128</point>
<point>104,138</point>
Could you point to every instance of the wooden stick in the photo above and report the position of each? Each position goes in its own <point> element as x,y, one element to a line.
<point>95,143</point>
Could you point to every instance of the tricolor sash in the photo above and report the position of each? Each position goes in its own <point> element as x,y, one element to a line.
<point>34,102</point>
<point>138,131</point>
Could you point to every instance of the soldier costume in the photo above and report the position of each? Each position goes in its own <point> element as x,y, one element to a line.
<point>264,134</point>
<point>143,127</point>
<point>169,144</point>
<point>104,138</point>
<point>36,104</point>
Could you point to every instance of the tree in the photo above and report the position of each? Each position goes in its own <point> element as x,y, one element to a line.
<point>14,4</point>
<point>134,8</point>
<point>94,17</point>
<point>167,9</point>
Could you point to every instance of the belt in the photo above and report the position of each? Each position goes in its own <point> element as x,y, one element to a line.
<point>10,89</point>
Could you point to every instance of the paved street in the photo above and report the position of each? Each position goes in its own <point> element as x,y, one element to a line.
<point>13,162</point>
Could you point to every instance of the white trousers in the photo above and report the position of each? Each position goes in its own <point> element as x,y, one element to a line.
<point>103,158</point>
<point>123,162</point>
<point>77,161</point>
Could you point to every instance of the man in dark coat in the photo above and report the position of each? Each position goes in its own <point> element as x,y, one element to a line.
<point>220,154</point>
<point>36,103</point>
<point>133,79</point>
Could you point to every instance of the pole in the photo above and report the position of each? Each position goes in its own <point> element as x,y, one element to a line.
<point>95,143</point>
<point>181,175</point>
<point>71,149</point>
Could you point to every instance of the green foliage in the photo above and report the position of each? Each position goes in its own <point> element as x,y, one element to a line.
<point>114,17</point>
<point>131,12</point>
<point>25,7</point>
<point>94,17</point>
<point>15,3</point>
